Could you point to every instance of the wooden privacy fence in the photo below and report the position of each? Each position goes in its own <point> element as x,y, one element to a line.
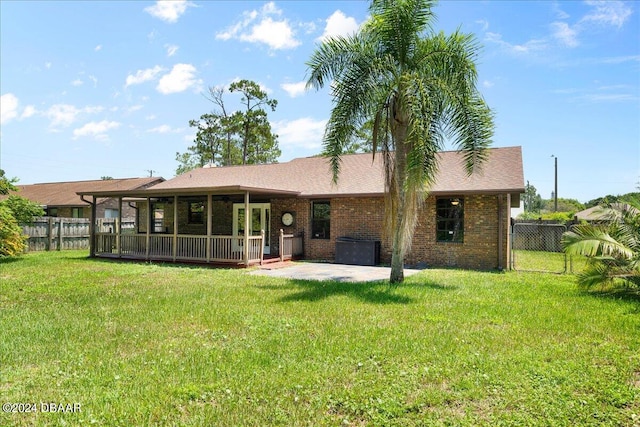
<point>54,234</point>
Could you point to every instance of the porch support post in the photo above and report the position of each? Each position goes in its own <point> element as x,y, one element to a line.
<point>261,246</point>
<point>209,225</point>
<point>175,228</point>
<point>119,228</point>
<point>148,236</point>
<point>92,229</point>
<point>500,232</point>
<point>281,245</point>
<point>247,217</point>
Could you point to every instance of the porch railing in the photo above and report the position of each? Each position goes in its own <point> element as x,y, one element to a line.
<point>290,246</point>
<point>223,249</point>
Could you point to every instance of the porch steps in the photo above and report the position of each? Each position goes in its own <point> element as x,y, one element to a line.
<point>273,264</point>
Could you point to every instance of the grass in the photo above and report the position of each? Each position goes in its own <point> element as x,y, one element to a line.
<point>551,262</point>
<point>139,344</point>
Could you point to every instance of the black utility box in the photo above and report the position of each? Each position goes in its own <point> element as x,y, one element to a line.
<point>357,252</point>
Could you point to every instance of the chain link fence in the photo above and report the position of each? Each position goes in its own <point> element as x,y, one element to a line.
<point>537,247</point>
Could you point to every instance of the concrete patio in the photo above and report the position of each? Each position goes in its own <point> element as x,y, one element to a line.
<point>327,271</point>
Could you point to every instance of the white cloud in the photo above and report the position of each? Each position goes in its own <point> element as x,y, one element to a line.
<point>180,78</point>
<point>613,13</point>
<point>47,65</point>
<point>168,10</point>
<point>338,24</point>
<point>566,35</point>
<point>160,129</point>
<point>94,79</point>
<point>277,34</point>
<point>134,108</point>
<point>77,82</point>
<point>305,133</point>
<point>28,111</point>
<point>171,49</point>
<point>97,130</point>
<point>62,115</point>
<point>533,45</point>
<point>484,23</point>
<point>488,84</point>
<point>142,76</point>
<point>98,48</point>
<point>294,89</point>
<point>8,107</point>
<point>560,14</point>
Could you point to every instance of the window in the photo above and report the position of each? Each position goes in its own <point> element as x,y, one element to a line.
<point>196,213</point>
<point>320,220</point>
<point>158,218</point>
<point>76,212</point>
<point>111,213</point>
<point>450,219</point>
<point>52,212</point>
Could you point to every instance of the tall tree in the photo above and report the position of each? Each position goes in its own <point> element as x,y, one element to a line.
<point>419,88</point>
<point>259,144</point>
<point>227,138</point>
<point>532,200</point>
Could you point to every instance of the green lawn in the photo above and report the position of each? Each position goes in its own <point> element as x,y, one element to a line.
<point>138,344</point>
<point>552,262</point>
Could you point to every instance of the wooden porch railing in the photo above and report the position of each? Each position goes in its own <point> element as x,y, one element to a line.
<point>290,246</point>
<point>222,249</point>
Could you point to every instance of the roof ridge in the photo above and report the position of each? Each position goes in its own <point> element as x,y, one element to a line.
<point>90,180</point>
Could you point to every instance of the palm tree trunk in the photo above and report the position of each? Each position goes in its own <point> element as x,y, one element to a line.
<point>399,130</point>
<point>397,258</point>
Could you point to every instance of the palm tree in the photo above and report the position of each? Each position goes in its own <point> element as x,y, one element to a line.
<point>612,247</point>
<point>419,88</point>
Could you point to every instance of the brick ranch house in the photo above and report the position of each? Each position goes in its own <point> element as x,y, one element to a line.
<point>296,210</point>
<point>60,199</point>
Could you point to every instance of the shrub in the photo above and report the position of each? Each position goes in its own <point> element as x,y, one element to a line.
<point>612,248</point>
<point>24,210</point>
<point>12,240</point>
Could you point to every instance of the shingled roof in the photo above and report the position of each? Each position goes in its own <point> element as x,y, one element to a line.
<point>66,193</point>
<point>311,176</point>
<point>359,176</point>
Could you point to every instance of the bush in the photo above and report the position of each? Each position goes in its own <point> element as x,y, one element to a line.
<point>24,210</point>
<point>12,240</point>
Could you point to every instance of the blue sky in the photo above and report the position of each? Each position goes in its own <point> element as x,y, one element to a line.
<point>108,88</point>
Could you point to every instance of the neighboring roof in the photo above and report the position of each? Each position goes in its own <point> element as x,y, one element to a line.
<point>600,213</point>
<point>65,193</point>
<point>359,176</point>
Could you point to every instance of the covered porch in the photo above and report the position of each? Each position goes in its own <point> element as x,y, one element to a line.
<point>188,226</point>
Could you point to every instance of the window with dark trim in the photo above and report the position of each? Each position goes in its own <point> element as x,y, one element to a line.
<point>320,220</point>
<point>77,212</point>
<point>450,219</point>
<point>196,213</point>
<point>52,212</point>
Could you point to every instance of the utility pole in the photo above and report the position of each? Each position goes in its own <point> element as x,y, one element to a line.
<point>555,192</point>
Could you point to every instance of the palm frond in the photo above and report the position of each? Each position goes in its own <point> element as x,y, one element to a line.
<point>593,241</point>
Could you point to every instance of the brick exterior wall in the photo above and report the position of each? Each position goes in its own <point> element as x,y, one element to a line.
<point>362,218</point>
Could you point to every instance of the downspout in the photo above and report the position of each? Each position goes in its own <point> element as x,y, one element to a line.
<point>92,227</point>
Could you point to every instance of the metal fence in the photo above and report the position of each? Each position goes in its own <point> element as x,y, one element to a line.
<point>537,247</point>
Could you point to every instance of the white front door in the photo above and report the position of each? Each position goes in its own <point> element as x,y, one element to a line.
<point>260,220</point>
